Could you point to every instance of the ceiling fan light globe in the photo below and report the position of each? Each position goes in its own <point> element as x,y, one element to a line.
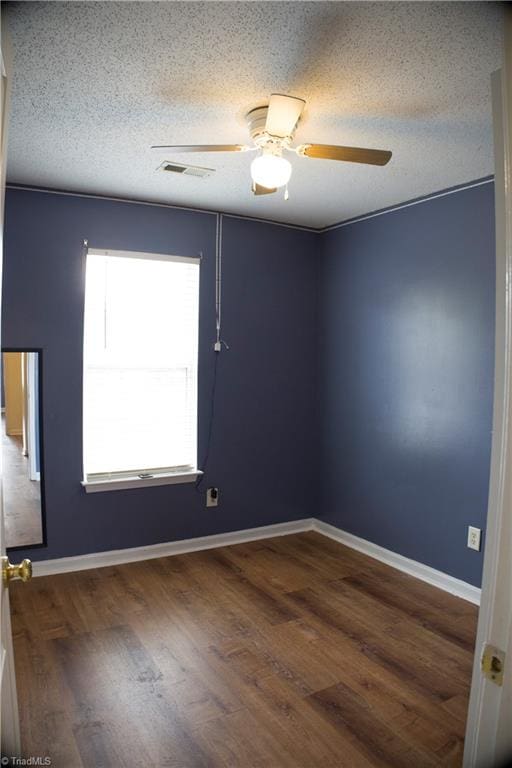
<point>271,171</point>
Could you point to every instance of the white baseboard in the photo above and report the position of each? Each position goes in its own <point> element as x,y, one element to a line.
<point>117,556</point>
<point>412,567</point>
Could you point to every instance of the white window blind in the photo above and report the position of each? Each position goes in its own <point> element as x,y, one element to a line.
<point>140,363</point>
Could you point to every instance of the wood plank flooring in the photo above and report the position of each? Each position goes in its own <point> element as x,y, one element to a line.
<point>22,496</point>
<point>293,651</point>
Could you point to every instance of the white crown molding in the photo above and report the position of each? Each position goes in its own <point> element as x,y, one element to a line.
<point>301,227</point>
<point>420,571</point>
<point>408,204</point>
<point>186,208</point>
<point>117,556</point>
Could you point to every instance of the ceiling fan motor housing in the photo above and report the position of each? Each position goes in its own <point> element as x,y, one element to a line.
<point>257,120</point>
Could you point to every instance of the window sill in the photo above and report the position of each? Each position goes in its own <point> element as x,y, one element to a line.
<point>124,483</point>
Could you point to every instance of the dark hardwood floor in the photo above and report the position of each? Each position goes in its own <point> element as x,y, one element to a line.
<point>293,651</point>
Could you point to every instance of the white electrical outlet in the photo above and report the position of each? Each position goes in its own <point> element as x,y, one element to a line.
<point>474,536</point>
<point>212,497</point>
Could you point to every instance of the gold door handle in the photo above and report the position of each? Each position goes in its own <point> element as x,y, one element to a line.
<point>21,571</point>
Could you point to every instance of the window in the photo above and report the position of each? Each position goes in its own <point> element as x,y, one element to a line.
<point>140,369</point>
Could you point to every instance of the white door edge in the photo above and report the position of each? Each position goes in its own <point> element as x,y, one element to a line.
<point>488,732</point>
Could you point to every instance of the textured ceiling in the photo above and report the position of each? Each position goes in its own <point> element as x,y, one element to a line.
<point>95,84</point>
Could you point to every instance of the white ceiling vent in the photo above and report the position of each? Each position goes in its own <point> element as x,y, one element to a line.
<point>185,170</point>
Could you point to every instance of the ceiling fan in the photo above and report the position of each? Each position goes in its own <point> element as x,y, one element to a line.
<point>272,129</point>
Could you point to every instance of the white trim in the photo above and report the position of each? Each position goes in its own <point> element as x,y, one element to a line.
<point>32,414</point>
<point>207,211</point>
<point>117,556</point>
<point>124,483</point>
<point>399,206</point>
<point>412,567</point>
<point>141,255</point>
<point>301,227</point>
<point>90,196</point>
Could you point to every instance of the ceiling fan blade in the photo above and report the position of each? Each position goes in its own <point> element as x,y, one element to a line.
<point>283,114</point>
<point>203,147</point>
<point>259,190</point>
<point>348,154</point>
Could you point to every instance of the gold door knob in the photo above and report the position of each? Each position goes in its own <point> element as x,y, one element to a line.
<point>22,571</point>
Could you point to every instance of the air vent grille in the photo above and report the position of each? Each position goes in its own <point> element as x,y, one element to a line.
<point>186,170</point>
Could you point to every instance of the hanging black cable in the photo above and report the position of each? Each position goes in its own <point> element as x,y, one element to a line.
<point>217,346</point>
<point>204,463</point>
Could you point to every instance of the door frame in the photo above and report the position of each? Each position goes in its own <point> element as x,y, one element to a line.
<point>33,414</point>
<point>9,720</point>
<point>488,733</point>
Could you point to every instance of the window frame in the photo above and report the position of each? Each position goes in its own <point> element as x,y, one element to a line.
<point>123,480</point>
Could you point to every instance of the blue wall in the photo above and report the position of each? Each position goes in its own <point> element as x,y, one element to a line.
<point>262,439</point>
<point>357,387</point>
<point>406,377</point>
